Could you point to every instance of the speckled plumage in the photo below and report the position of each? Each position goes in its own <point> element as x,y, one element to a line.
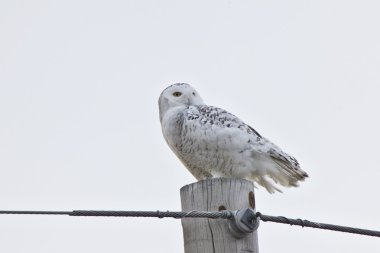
<point>212,142</point>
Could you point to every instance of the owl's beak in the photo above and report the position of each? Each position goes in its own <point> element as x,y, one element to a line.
<point>188,101</point>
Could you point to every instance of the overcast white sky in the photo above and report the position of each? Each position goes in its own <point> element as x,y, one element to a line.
<point>79,127</point>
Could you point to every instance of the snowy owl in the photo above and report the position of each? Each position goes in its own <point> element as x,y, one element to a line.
<point>212,142</point>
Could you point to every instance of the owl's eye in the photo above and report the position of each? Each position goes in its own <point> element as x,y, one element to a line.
<point>177,94</point>
<point>193,93</point>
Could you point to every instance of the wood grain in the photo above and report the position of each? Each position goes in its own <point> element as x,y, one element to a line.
<point>213,235</point>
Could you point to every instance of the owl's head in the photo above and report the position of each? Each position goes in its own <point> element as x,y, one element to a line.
<point>178,94</point>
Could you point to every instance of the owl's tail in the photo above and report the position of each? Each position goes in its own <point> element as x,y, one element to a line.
<point>277,172</point>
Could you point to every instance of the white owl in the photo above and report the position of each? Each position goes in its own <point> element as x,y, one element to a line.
<point>212,142</point>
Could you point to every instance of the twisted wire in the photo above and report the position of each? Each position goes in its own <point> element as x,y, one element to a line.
<point>312,224</point>
<point>159,214</point>
<point>225,214</point>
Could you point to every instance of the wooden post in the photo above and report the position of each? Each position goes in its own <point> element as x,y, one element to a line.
<point>203,235</point>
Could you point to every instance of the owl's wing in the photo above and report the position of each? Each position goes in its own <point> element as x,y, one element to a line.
<point>268,160</point>
<point>219,118</point>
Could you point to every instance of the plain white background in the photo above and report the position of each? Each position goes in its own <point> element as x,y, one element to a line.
<point>79,127</point>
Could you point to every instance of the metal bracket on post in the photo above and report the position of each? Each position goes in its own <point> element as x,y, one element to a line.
<point>243,223</point>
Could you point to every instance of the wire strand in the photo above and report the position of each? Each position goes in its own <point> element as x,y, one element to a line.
<point>311,224</point>
<point>225,214</point>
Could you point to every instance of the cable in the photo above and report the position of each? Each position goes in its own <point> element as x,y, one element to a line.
<point>311,224</point>
<point>225,214</point>
<point>159,214</point>
<point>36,212</point>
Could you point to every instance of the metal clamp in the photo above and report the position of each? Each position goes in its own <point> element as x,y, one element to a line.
<point>243,223</point>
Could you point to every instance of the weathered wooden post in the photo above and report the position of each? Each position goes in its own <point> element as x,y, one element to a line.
<point>213,235</point>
